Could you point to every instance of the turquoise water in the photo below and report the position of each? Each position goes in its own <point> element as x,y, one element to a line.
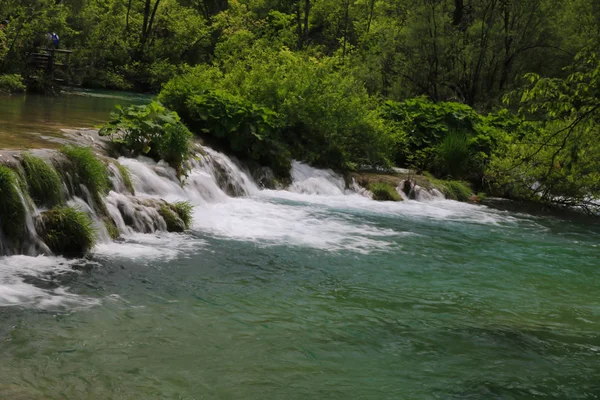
<point>290,296</point>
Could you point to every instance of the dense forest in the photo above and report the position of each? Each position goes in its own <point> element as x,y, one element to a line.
<point>502,94</point>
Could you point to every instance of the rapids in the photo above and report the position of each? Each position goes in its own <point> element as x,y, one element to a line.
<point>315,291</point>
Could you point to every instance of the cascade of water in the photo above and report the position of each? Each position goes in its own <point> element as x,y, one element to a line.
<point>309,180</point>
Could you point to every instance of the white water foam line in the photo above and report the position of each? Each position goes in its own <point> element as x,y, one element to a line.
<point>17,287</point>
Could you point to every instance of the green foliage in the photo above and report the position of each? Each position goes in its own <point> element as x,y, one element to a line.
<point>453,190</point>
<point>11,84</point>
<point>184,210</point>
<point>88,169</point>
<point>248,130</point>
<point>384,192</point>
<point>151,130</point>
<point>555,160</point>
<point>12,208</point>
<point>67,231</point>
<point>178,216</point>
<point>277,104</point>
<point>43,182</point>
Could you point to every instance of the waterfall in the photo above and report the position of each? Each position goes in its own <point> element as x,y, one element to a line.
<point>212,178</point>
<point>309,180</point>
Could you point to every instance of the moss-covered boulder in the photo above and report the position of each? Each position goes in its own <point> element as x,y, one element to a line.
<point>177,216</point>
<point>384,192</point>
<point>87,169</point>
<point>12,208</point>
<point>67,231</point>
<point>43,182</point>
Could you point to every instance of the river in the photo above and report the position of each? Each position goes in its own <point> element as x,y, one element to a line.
<point>309,293</point>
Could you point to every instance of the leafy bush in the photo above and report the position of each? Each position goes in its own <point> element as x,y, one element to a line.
<point>43,181</point>
<point>150,130</point>
<point>88,169</point>
<point>247,130</point>
<point>384,192</point>
<point>11,84</point>
<point>273,104</point>
<point>67,231</point>
<point>12,209</point>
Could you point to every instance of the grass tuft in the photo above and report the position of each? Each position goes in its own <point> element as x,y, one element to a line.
<point>384,192</point>
<point>184,211</point>
<point>89,170</point>
<point>454,190</point>
<point>67,231</point>
<point>126,176</point>
<point>42,180</point>
<point>177,216</point>
<point>12,209</point>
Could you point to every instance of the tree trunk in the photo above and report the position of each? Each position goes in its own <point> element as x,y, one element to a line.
<point>306,14</point>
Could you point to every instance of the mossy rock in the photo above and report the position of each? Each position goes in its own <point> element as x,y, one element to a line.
<point>88,169</point>
<point>126,177</point>
<point>67,231</point>
<point>384,192</point>
<point>177,216</point>
<point>43,182</point>
<point>12,210</point>
<point>454,190</point>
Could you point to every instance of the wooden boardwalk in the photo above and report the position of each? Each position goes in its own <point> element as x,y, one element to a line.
<point>51,61</point>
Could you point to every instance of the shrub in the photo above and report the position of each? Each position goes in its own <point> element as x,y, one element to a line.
<point>11,84</point>
<point>384,192</point>
<point>151,130</point>
<point>247,130</point>
<point>12,208</point>
<point>42,180</point>
<point>88,170</point>
<point>67,231</point>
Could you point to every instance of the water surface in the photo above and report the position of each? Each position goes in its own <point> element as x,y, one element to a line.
<point>33,121</point>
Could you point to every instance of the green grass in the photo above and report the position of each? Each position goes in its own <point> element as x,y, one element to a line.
<point>126,176</point>
<point>454,190</point>
<point>43,182</point>
<point>177,216</point>
<point>384,192</point>
<point>67,231</point>
<point>184,211</point>
<point>12,209</point>
<point>89,170</point>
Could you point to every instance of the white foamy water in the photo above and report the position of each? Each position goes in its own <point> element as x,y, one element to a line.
<point>317,211</point>
<point>23,278</point>
<point>163,246</point>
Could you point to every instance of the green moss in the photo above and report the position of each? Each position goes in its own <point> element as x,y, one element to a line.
<point>184,211</point>
<point>384,192</point>
<point>89,170</point>
<point>174,223</point>
<point>42,180</point>
<point>126,176</point>
<point>67,231</point>
<point>111,227</point>
<point>453,190</point>
<point>178,216</point>
<point>12,209</point>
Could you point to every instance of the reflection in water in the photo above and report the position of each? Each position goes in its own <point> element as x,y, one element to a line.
<point>35,121</point>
